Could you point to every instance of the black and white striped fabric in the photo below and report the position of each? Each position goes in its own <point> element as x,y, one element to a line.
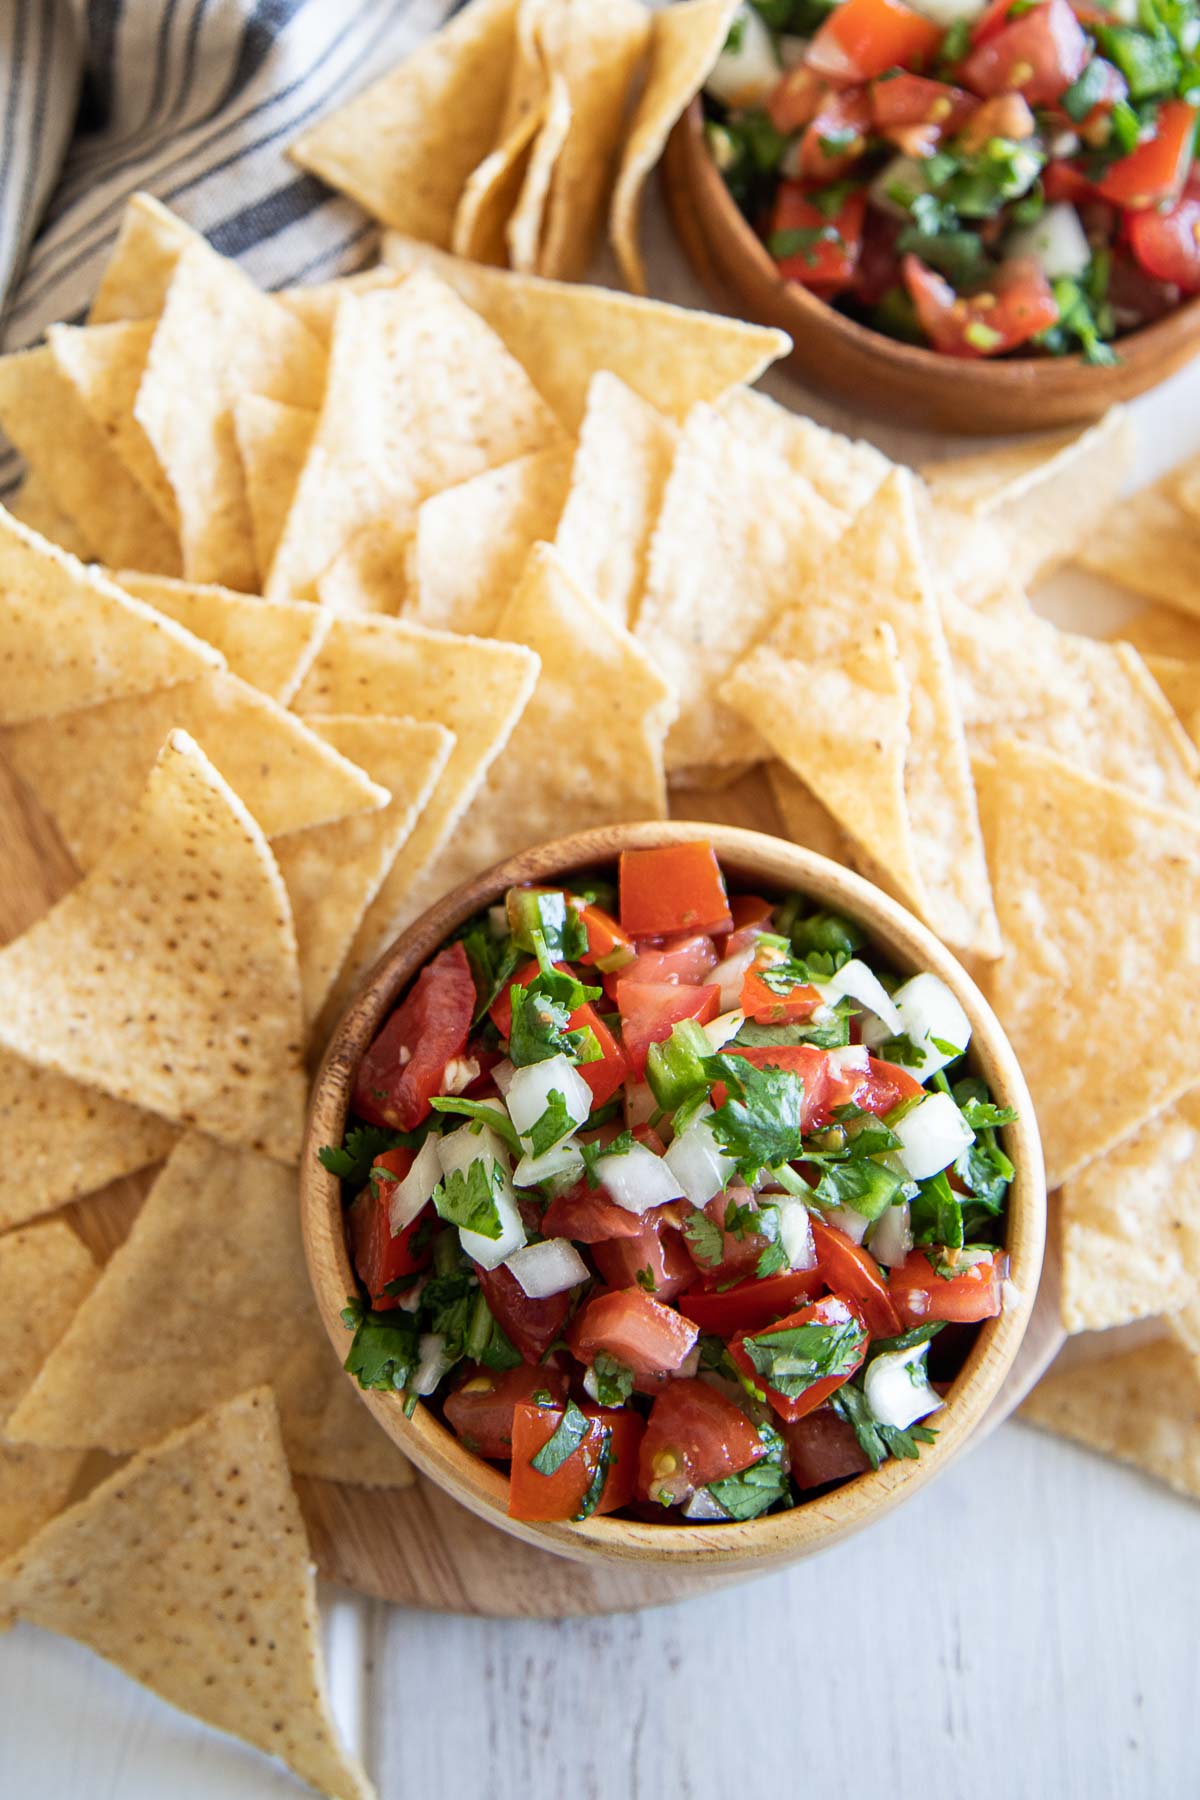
<point>195,101</point>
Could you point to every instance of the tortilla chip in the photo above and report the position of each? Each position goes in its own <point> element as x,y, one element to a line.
<point>1098,893</point>
<point>1131,1225</point>
<point>805,820</point>
<point>477,689</point>
<point>333,872</point>
<point>421,395</point>
<point>842,727</point>
<point>104,364</point>
<point>879,570</point>
<point>34,505</point>
<point>685,42</point>
<point>269,643</point>
<point>1150,545</point>
<point>44,416</point>
<point>62,1140</point>
<point>1179,683</point>
<point>69,637</point>
<point>1141,1406</point>
<point>1184,483</point>
<point>969,556</point>
<point>138,273</point>
<point>218,338</point>
<point>1161,631</point>
<point>736,537</point>
<point>1047,497</point>
<point>196,1581</point>
<point>620,473</point>
<point>523,230</point>
<point>89,768</point>
<point>472,542</point>
<point>492,188</point>
<point>272,441</point>
<point>562,334</point>
<point>118,987</point>
<point>846,472</point>
<point>370,575</point>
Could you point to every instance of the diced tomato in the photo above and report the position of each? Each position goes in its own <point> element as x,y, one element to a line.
<point>849,1269</point>
<point>862,38</point>
<point>750,1303</point>
<point>561,1495</point>
<point>605,1075</point>
<point>1018,306</point>
<point>794,99</point>
<point>829,253</point>
<point>605,938</point>
<point>588,1216</point>
<point>694,1435</point>
<point>685,962</point>
<point>648,1337</point>
<point>480,1410</point>
<point>883,1088</point>
<point>1167,244</point>
<point>837,135</point>
<point>1156,171</point>
<point>1038,55</point>
<point>903,104</point>
<point>767,1007</point>
<point>379,1257</point>
<point>740,1249</point>
<point>992,20</point>
<point>822,1447</point>
<point>804,1060</point>
<point>920,1293</point>
<point>531,1326</point>
<point>833,1309</point>
<point>406,1064</point>
<point>659,1248</point>
<point>650,1008</point>
<point>677,888</point>
<point>751,914</point>
<point>1063,181</point>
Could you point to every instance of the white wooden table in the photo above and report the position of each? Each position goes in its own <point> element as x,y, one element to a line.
<point>1025,1628</point>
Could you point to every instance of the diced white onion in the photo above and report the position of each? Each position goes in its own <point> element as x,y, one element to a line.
<point>745,76</point>
<point>862,984</point>
<point>702,1506</point>
<point>550,1267</point>
<point>410,1196</point>
<point>850,1059</point>
<point>698,1163</point>
<point>638,1179</point>
<point>726,1025</point>
<point>432,1363</point>
<point>530,1089</point>
<point>640,1104</point>
<point>456,1152</point>
<point>728,976</point>
<point>689,1368</point>
<point>410,1300</point>
<point>927,1010</point>
<point>897,1388</point>
<point>502,1075</point>
<point>563,1158</point>
<point>795,1233</point>
<point>891,1236</point>
<point>488,1252</point>
<point>846,1220</point>
<point>948,12</point>
<point>1057,242</point>
<point>932,1136</point>
<point>458,1074</point>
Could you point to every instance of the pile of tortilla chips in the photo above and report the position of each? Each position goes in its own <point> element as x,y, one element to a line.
<point>505,137</point>
<point>312,606</point>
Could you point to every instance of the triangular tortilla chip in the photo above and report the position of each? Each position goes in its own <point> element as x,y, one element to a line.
<point>333,872</point>
<point>562,333</point>
<point>421,394</point>
<point>138,273</point>
<point>46,419</point>
<point>104,364</point>
<point>1141,1406</point>
<point>805,820</point>
<point>190,1570</point>
<point>476,688</point>
<point>370,574</point>
<point>1131,1225</point>
<point>492,188</point>
<point>624,456</point>
<point>1179,684</point>
<point>846,472</point>
<point>273,441</point>
<point>62,1140</point>
<point>89,768</point>
<point>1162,631</point>
<point>171,1348</point>
<point>1150,545</point>
<point>472,541</point>
<point>269,643</point>
<point>120,987</point>
<point>735,538</point>
<point>45,1273</point>
<point>406,145</point>
<point>218,337</point>
<point>685,42</point>
<point>1184,483</point>
<point>33,505</point>
<point>69,637</point>
<point>879,571</point>
<point>842,727</point>
<point>523,231</point>
<point>1098,893</point>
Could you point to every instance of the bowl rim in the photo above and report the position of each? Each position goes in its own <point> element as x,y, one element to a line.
<point>747,857</point>
<point>1064,372</point>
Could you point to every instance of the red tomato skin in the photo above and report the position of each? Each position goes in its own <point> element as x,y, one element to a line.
<point>1063,181</point>
<point>1019,305</point>
<point>704,1434</point>
<point>885,1087</point>
<point>750,914</point>
<point>588,1216</point>
<point>765,1007</point>
<point>1157,170</point>
<point>849,1269</point>
<point>531,1326</point>
<point>919,1292</point>
<point>841,110</point>
<point>604,935</point>
<point>380,1258</point>
<point>648,1337</point>
<point>828,263</point>
<point>1167,245</point>
<point>660,1249</point>
<point>674,889</point>
<point>833,1309</point>
<point>561,1495</point>
<point>822,1447</point>
<point>432,1023</point>
<point>906,100</point>
<point>1038,55</point>
<point>650,1008</point>
<point>862,38</point>
<point>750,1303</point>
<point>682,962</point>
<point>794,99</point>
<point>606,1075</point>
<point>480,1410</point>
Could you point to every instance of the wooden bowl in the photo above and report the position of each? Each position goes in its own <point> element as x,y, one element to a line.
<point>878,374</point>
<point>761,864</point>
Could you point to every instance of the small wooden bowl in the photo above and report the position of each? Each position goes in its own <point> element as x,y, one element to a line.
<point>760,864</point>
<point>878,374</point>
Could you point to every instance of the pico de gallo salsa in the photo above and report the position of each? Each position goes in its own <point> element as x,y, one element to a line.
<point>975,176</point>
<point>670,1199</point>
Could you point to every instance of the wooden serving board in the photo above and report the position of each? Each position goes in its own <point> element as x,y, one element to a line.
<point>414,1546</point>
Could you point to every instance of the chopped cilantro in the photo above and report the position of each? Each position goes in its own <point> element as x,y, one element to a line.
<point>570,1432</point>
<point>492,1116</point>
<point>793,1359</point>
<point>704,1239</point>
<point>936,1213</point>
<point>596,1486</point>
<point>467,1198</point>
<point>867,1186</point>
<point>877,1441</point>
<point>759,1124</point>
<point>554,1124</point>
<point>384,1352</point>
<point>831,1032</point>
<point>613,1380</point>
<point>363,1143</point>
<point>592,1154</point>
<point>645,1280</point>
<point>754,1490</point>
<point>494,961</point>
